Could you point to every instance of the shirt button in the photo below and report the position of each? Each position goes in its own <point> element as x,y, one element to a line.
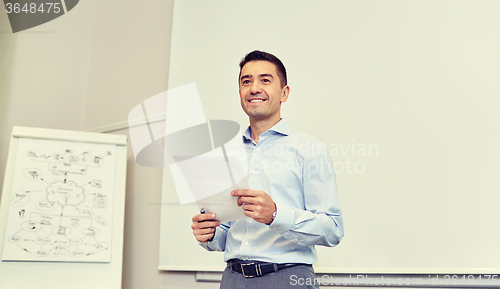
<point>249,221</point>
<point>246,243</point>
<point>296,240</point>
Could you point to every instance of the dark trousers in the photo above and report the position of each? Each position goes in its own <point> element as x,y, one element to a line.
<point>298,277</point>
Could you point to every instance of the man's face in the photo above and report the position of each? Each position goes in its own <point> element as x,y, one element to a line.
<point>261,93</point>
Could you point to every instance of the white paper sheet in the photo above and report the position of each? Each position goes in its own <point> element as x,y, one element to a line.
<point>205,175</point>
<point>211,177</point>
<point>224,205</point>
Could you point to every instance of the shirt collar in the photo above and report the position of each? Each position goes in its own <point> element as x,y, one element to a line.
<point>281,128</point>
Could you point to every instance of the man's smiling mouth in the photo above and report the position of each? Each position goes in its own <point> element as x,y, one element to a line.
<point>256,100</point>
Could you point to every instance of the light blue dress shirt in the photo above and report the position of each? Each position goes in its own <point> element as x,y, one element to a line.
<point>297,172</point>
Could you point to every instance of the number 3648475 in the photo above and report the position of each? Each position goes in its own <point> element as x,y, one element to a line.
<point>33,8</point>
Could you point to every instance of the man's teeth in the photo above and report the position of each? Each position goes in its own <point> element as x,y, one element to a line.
<point>255,100</point>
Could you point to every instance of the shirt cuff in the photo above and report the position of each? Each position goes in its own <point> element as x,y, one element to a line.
<point>284,220</point>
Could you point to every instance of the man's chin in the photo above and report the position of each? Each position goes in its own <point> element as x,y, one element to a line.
<point>257,115</point>
<point>251,112</point>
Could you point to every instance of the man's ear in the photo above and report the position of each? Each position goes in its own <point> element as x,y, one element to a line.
<point>285,93</point>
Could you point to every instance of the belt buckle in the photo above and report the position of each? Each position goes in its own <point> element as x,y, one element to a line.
<point>257,270</point>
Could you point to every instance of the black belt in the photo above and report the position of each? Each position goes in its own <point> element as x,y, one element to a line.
<point>257,268</point>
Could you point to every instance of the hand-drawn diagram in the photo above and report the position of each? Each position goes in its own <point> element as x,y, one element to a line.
<point>61,203</point>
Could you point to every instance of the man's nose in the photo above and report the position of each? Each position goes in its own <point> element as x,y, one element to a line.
<point>256,88</point>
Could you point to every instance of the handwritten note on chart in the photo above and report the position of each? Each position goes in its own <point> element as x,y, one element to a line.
<point>61,202</point>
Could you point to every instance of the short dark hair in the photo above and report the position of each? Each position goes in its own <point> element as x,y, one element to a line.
<point>257,55</point>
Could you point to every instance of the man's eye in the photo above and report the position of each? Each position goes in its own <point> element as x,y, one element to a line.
<point>266,80</point>
<point>246,81</point>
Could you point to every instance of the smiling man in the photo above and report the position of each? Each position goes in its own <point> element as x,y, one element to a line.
<point>292,204</point>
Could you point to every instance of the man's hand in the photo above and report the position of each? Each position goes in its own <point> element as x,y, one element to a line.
<point>204,227</point>
<point>257,205</point>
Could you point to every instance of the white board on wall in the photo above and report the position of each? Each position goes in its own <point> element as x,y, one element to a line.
<point>63,207</point>
<point>404,94</point>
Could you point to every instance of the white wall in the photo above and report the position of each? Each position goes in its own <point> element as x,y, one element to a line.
<point>130,58</point>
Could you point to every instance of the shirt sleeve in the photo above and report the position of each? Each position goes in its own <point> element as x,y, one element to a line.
<point>218,243</point>
<point>321,222</point>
